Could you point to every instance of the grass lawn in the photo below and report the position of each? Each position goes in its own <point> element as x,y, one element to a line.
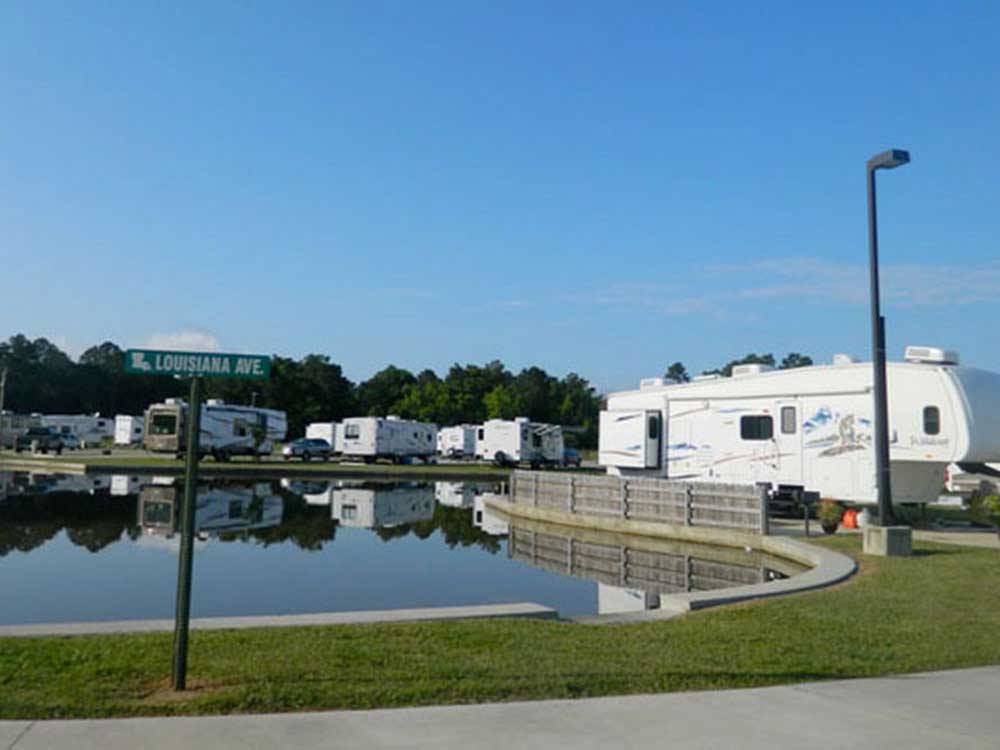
<point>938,609</point>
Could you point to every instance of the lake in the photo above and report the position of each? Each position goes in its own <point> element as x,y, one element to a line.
<point>81,548</point>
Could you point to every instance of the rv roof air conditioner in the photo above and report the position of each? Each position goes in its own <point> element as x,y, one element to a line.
<point>930,355</point>
<point>844,359</point>
<point>215,402</point>
<point>648,384</point>
<point>740,371</point>
<point>706,376</point>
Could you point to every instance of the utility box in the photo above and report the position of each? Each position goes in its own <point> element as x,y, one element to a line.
<point>888,541</point>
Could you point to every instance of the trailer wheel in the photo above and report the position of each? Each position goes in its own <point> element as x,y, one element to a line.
<point>306,457</point>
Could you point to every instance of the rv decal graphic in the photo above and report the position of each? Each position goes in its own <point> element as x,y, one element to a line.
<point>833,433</point>
<point>682,447</point>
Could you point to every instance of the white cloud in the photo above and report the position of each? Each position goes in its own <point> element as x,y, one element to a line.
<point>805,279</point>
<point>186,340</point>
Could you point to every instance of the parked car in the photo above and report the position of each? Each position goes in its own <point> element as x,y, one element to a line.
<point>307,449</point>
<point>39,440</point>
<point>70,441</point>
<point>571,457</point>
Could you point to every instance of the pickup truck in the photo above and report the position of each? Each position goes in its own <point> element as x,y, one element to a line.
<point>39,440</point>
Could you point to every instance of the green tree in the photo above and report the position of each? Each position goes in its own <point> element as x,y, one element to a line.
<point>376,396</point>
<point>677,372</point>
<point>794,359</point>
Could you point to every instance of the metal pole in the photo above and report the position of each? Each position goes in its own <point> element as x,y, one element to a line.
<point>3,393</point>
<point>881,415</point>
<point>182,615</point>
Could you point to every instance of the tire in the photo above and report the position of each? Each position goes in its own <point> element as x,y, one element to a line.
<point>59,451</point>
<point>306,458</point>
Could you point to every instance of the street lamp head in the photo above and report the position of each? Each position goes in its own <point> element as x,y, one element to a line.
<point>894,157</point>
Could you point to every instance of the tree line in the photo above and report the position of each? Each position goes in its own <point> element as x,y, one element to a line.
<point>678,372</point>
<point>42,378</point>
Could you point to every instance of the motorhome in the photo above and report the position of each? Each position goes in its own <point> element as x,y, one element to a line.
<point>218,509</point>
<point>509,442</point>
<point>809,429</point>
<point>372,438</point>
<point>458,441</point>
<point>226,430</point>
<point>370,505</point>
<point>90,429</point>
<point>328,431</point>
<point>129,430</point>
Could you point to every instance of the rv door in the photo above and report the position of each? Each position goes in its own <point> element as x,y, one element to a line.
<point>630,438</point>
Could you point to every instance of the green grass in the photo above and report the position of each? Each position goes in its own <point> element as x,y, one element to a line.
<point>938,609</point>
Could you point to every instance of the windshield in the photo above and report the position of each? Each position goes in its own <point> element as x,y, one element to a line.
<point>164,424</point>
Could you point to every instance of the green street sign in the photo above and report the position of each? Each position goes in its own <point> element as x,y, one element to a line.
<point>197,364</point>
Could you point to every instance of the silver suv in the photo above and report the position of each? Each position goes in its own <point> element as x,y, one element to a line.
<point>307,449</point>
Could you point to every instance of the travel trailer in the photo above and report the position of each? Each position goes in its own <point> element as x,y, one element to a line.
<point>457,442</point>
<point>371,505</point>
<point>226,430</point>
<point>455,494</point>
<point>129,430</point>
<point>509,442</point>
<point>328,431</point>
<point>809,429</point>
<point>372,438</point>
<point>90,429</point>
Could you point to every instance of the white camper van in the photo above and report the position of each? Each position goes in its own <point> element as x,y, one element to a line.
<point>372,438</point>
<point>458,441</point>
<point>226,430</point>
<point>810,428</point>
<point>129,430</point>
<point>508,442</point>
<point>328,431</point>
<point>89,429</point>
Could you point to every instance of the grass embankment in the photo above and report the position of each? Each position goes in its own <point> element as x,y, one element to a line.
<point>936,610</point>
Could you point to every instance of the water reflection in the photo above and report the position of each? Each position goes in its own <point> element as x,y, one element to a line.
<point>398,544</point>
<point>633,572</point>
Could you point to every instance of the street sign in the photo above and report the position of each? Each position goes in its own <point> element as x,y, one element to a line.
<point>194,365</point>
<point>197,364</point>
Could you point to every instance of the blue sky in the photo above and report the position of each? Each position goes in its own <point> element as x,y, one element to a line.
<point>592,187</point>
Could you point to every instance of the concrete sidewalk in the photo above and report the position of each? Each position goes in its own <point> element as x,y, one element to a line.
<point>953,710</point>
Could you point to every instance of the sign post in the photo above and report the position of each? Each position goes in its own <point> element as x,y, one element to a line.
<point>194,365</point>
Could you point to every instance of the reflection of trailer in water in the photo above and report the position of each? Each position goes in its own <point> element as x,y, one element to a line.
<point>370,506</point>
<point>123,485</point>
<point>455,494</point>
<point>32,483</point>
<point>217,509</point>
<point>485,519</point>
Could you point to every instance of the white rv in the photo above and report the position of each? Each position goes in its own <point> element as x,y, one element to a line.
<point>226,430</point>
<point>809,429</point>
<point>455,494</point>
<point>13,425</point>
<point>372,438</point>
<point>328,431</point>
<point>129,430</point>
<point>458,441</point>
<point>485,519</point>
<point>89,429</point>
<point>512,441</point>
<point>373,506</point>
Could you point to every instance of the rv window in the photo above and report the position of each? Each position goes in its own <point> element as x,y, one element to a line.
<point>932,420</point>
<point>235,509</point>
<point>347,512</point>
<point>788,420</point>
<point>240,428</point>
<point>352,431</point>
<point>536,440</point>
<point>654,427</point>
<point>164,424</point>
<point>756,428</point>
<point>481,431</point>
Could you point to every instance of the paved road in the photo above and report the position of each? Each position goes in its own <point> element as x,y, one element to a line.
<point>943,710</point>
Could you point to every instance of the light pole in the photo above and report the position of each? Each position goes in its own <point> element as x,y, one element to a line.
<point>886,160</point>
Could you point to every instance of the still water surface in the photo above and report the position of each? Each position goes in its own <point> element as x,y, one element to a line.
<point>78,548</point>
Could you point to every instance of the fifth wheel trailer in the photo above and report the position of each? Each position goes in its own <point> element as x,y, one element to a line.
<point>510,442</point>
<point>809,429</point>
